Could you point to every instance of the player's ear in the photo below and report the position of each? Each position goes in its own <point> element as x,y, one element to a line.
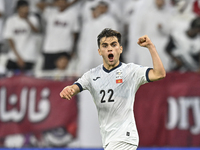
<point>121,49</point>
<point>99,52</point>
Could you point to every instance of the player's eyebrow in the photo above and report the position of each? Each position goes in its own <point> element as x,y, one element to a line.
<point>110,43</point>
<point>114,43</point>
<point>104,43</point>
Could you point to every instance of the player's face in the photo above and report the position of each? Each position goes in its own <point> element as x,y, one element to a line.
<point>110,50</point>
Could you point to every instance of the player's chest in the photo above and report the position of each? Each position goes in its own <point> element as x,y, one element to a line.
<point>108,80</point>
<point>110,90</point>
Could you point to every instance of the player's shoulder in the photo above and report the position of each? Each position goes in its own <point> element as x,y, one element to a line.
<point>96,69</point>
<point>132,67</point>
<point>129,65</point>
<point>93,71</point>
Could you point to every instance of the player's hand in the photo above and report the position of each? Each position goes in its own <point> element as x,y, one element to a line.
<point>145,41</point>
<point>67,93</point>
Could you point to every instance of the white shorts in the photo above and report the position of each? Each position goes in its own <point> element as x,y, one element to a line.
<point>120,146</point>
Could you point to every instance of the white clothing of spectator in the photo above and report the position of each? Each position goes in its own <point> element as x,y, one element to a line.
<point>88,36</point>
<point>184,48</point>
<point>61,27</point>
<point>182,15</point>
<point>114,10</point>
<point>149,20</point>
<point>19,31</point>
<point>86,14</point>
<point>128,10</point>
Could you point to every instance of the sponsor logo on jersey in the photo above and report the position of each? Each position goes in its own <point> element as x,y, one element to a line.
<point>119,76</point>
<point>96,78</point>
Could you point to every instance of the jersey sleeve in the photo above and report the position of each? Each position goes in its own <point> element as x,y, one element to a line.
<point>140,74</point>
<point>84,82</point>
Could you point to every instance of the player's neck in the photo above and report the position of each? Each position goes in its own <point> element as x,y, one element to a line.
<point>110,67</point>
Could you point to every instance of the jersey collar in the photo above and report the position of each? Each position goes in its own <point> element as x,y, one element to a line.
<point>108,71</point>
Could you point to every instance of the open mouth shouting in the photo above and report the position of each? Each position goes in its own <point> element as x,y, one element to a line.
<point>111,57</point>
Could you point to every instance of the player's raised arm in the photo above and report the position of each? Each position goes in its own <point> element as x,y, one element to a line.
<point>158,71</point>
<point>69,91</point>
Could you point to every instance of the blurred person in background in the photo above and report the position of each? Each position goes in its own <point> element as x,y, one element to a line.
<point>115,10</point>
<point>182,15</point>
<point>19,31</point>
<point>184,48</point>
<point>150,18</point>
<point>129,10</point>
<point>61,32</point>
<point>87,48</point>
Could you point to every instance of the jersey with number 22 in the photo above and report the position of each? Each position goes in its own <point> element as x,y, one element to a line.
<point>114,92</point>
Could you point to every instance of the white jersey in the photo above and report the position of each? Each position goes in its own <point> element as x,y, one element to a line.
<point>113,92</point>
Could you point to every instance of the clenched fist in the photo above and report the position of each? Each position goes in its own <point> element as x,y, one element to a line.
<point>145,41</point>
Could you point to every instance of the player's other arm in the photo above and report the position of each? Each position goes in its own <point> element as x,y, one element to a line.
<point>69,91</point>
<point>158,71</point>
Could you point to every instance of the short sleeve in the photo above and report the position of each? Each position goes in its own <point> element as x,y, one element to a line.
<point>84,82</point>
<point>139,74</point>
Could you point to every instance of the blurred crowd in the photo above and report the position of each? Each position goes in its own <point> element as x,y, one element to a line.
<point>59,37</point>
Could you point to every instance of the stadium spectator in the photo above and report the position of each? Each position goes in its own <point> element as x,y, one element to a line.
<point>184,48</point>
<point>151,20</point>
<point>87,47</point>
<point>61,32</point>
<point>129,10</point>
<point>182,15</point>
<point>19,31</point>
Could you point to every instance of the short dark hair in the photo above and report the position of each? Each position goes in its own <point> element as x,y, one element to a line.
<point>107,32</point>
<point>21,3</point>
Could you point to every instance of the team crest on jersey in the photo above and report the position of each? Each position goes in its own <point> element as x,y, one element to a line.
<point>119,76</point>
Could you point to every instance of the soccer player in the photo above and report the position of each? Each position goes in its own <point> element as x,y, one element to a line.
<point>113,86</point>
